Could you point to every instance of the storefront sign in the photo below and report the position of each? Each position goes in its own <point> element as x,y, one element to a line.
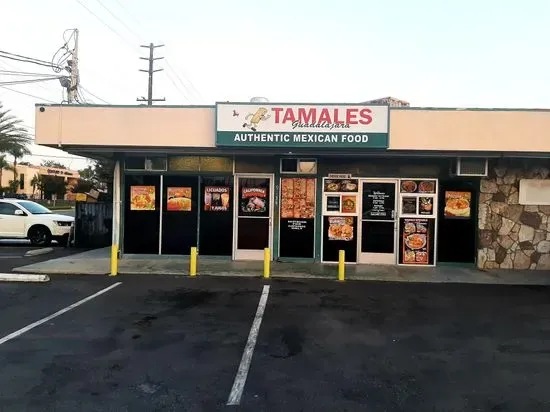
<point>416,241</point>
<point>216,198</point>
<point>178,199</point>
<point>310,126</point>
<point>142,197</point>
<point>253,200</point>
<point>340,228</point>
<point>457,205</point>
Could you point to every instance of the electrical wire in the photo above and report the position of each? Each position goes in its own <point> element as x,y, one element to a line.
<point>176,86</point>
<point>191,87</point>
<point>30,59</point>
<point>119,20</point>
<point>105,24</point>
<point>93,95</point>
<point>26,61</point>
<point>28,94</point>
<point>18,73</point>
<point>28,81</point>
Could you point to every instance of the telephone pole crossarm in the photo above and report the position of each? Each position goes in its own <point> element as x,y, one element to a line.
<point>150,71</point>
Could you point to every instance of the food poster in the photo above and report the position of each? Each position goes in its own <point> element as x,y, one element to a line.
<point>340,228</point>
<point>417,241</point>
<point>142,197</point>
<point>426,205</point>
<point>341,185</point>
<point>418,186</point>
<point>409,205</point>
<point>297,198</point>
<point>253,201</point>
<point>217,198</point>
<point>349,204</point>
<point>457,205</point>
<point>179,199</point>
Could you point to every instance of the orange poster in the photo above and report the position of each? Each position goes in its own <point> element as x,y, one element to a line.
<point>142,197</point>
<point>457,204</point>
<point>179,199</point>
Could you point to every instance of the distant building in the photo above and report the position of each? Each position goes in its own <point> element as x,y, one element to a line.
<point>25,174</point>
<point>390,101</point>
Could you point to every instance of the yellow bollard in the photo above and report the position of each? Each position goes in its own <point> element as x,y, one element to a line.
<point>114,260</point>
<point>193,262</point>
<point>341,265</point>
<point>267,263</point>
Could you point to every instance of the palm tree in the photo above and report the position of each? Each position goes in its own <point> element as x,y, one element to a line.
<point>17,151</point>
<point>4,164</point>
<point>12,133</point>
<point>36,183</point>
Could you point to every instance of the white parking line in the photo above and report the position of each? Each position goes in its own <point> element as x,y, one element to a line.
<point>242,372</point>
<point>19,332</point>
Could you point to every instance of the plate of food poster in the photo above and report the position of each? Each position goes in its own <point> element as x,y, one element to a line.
<point>415,242</point>
<point>178,199</point>
<point>426,186</point>
<point>332,185</point>
<point>142,197</point>
<point>349,204</point>
<point>408,186</point>
<point>253,199</point>
<point>340,228</point>
<point>457,204</point>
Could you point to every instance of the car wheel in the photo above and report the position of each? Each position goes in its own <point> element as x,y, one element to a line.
<point>40,236</point>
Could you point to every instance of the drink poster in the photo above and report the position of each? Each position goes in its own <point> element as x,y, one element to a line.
<point>179,199</point>
<point>216,198</point>
<point>142,198</point>
<point>457,205</point>
<point>340,228</point>
<point>416,241</point>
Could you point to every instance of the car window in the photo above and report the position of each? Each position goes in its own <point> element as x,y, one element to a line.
<point>7,209</point>
<point>34,208</point>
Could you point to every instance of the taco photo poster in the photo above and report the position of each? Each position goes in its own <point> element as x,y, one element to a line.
<point>142,198</point>
<point>179,199</point>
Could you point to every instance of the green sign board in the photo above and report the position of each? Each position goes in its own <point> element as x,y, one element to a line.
<point>303,126</point>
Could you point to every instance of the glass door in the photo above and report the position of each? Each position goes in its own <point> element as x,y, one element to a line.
<point>253,215</point>
<point>378,222</point>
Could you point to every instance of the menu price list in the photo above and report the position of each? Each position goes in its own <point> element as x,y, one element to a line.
<point>296,238</point>
<point>416,241</point>
<point>378,201</point>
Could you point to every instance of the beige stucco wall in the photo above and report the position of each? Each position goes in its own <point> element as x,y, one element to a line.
<point>125,126</point>
<point>416,129</point>
<point>466,130</point>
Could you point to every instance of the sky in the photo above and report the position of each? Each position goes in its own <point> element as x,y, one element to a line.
<point>431,53</point>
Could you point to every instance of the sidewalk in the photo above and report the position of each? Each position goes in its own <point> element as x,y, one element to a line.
<point>97,262</point>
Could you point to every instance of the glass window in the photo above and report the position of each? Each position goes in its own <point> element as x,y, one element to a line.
<point>21,181</point>
<point>7,209</point>
<point>184,163</point>
<point>35,208</point>
<point>135,163</point>
<point>157,163</point>
<point>216,164</point>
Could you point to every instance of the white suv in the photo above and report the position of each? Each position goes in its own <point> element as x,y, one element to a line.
<point>23,219</point>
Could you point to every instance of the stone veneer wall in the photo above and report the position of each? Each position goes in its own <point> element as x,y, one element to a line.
<point>512,236</point>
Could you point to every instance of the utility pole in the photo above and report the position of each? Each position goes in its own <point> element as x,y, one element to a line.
<point>151,59</point>
<point>72,90</point>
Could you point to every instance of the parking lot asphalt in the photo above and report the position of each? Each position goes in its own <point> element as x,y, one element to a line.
<point>175,343</point>
<point>12,253</point>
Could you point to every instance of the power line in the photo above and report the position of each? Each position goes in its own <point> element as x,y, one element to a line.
<point>196,93</point>
<point>28,94</point>
<point>93,95</point>
<point>18,73</point>
<point>28,81</point>
<point>119,20</point>
<point>30,59</point>
<point>105,24</point>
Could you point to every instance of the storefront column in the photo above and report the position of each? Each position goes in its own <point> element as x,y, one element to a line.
<point>116,206</point>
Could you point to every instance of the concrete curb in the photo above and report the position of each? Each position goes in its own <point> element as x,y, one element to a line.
<point>38,252</point>
<point>21,277</point>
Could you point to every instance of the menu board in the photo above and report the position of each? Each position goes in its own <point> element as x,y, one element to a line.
<point>178,199</point>
<point>416,241</point>
<point>297,228</point>
<point>297,198</point>
<point>457,205</point>
<point>418,186</point>
<point>340,228</point>
<point>142,198</point>
<point>333,203</point>
<point>341,185</point>
<point>254,201</point>
<point>216,198</point>
<point>378,201</point>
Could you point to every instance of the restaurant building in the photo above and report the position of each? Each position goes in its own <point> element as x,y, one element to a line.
<point>392,185</point>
